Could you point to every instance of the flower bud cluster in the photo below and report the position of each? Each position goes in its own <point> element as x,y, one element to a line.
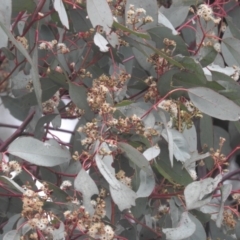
<point>32,204</point>
<point>23,41</point>
<point>123,179</point>
<point>228,219</point>
<point>65,185</point>
<point>181,118</point>
<point>169,106</point>
<point>206,12</point>
<point>128,124</point>
<point>137,15</point>
<point>48,45</point>
<point>119,8</point>
<point>84,73</point>
<point>29,86</point>
<point>61,47</point>
<point>152,92</point>
<point>160,64</point>
<point>92,225</point>
<point>12,167</point>
<point>101,86</point>
<point>91,131</point>
<point>236,197</point>
<point>73,111</point>
<point>51,104</point>
<point>236,74</point>
<point>3,75</point>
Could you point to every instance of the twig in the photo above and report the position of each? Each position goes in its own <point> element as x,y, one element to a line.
<point>17,133</point>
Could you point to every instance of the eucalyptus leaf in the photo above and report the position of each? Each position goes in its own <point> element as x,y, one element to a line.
<point>39,153</point>
<point>185,229</point>
<point>214,104</point>
<point>196,193</point>
<point>12,235</point>
<point>225,191</point>
<point>151,152</point>
<point>79,97</point>
<point>5,18</point>
<point>85,184</point>
<point>100,13</point>
<point>135,156</point>
<point>147,183</point>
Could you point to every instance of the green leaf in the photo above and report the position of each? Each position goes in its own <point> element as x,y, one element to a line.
<point>46,154</point>
<point>197,193</point>
<point>85,184</point>
<point>165,82</point>
<point>58,78</point>
<point>78,95</point>
<point>231,51</point>
<point>79,20</point>
<point>186,80</point>
<point>39,129</point>
<point>57,193</point>
<point>176,174</point>
<point>5,18</point>
<point>33,63</point>
<point>17,108</point>
<point>99,13</point>
<point>135,156</point>
<point>125,29</point>
<point>124,103</point>
<point>214,104</point>
<point>12,235</point>
<point>23,5</point>
<point>60,9</point>
<point>206,138</point>
<point>147,183</point>
<point>184,230</point>
<point>11,184</point>
<point>225,191</point>
<point>209,56</point>
<point>193,67</point>
<point>234,30</point>
<point>164,55</point>
<point>158,34</point>
<point>9,55</point>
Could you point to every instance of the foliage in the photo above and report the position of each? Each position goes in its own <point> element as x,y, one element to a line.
<point>145,80</point>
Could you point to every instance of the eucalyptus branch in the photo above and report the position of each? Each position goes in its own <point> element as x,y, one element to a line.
<point>17,133</point>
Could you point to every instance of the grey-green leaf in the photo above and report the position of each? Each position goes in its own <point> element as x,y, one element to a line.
<point>78,95</point>
<point>214,104</point>
<point>147,183</point>
<point>185,229</point>
<point>46,154</point>
<point>5,18</point>
<point>33,63</point>
<point>85,184</point>
<point>12,235</point>
<point>135,156</point>
<point>194,192</point>
<point>100,13</point>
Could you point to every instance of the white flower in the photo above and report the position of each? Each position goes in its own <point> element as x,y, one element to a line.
<point>42,45</point>
<point>148,19</point>
<point>193,174</point>
<point>65,184</point>
<point>141,10</point>
<point>41,226</point>
<point>217,47</point>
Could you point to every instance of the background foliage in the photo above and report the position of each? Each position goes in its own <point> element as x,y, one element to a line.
<point>149,83</point>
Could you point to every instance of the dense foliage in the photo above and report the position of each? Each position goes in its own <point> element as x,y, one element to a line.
<point>145,79</point>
